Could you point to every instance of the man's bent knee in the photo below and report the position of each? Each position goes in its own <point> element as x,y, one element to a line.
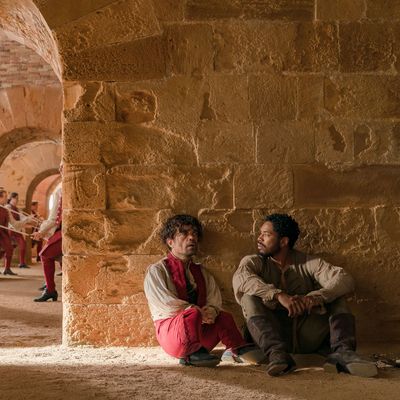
<point>253,306</point>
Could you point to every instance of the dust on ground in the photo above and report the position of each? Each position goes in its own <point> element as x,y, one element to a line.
<point>34,364</point>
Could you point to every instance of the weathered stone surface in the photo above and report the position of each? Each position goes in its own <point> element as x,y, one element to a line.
<point>179,102</point>
<point>342,10</point>
<point>139,59</point>
<point>359,142</point>
<point>134,144</point>
<point>285,142</point>
<point>272,97</point>
<point>388,231</point>
<point>383,9</point>
<point>310,97</point>
<point>134,106</point>
<point>59,12</point>
<point>38,107</point>
<point>367,47</point>
<point>232,108</point>
<point>263,186</point>
<point>115,280</point>
<point>83,232</point>
<point>82,142</point>
<point>334,142</point>
<point>346,232</point>
<point>199,10</point>
<point>226,143</point>
<point>89,101</point>
<point>364,186</point>
<point>259,47</point>
<point>227,233</point>
<point>108,325</point>
<point>124,21</point>
<point>189,49</point>
<point>298,10</point>
<point>116,143</point>
<point>84,187</point>
<point>169,10</point>
<point>121,232</point>
<point>186,189</point>
<point>355,96</point>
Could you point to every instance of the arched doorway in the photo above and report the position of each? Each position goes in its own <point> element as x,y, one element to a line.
<point>31,104</point>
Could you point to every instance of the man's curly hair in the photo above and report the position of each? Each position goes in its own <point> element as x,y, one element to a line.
<point>284,225</point>
<point>174,224</point>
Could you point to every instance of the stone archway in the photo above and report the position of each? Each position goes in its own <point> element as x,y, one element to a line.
<point>37,181</point>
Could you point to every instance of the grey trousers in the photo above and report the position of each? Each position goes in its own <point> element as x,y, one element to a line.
<point>304,334</point>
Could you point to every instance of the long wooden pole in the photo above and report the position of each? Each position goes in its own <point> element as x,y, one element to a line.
<point>13,230</point>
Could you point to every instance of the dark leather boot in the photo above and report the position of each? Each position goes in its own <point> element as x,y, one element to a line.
<point>47,296</point>
<point>280,363</point>
<point>8,271</point>
<point>200,358</point>
<point>266,333</point>
<point>343,344</point>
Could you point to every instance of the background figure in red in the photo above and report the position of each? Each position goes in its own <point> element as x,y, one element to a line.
<point>37,243</point>
<point>5,241</point>
<point>17,237</point>
<point>52,251</point>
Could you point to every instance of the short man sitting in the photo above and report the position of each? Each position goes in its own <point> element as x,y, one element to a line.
<point>185,302</point>
<point>294,302</point>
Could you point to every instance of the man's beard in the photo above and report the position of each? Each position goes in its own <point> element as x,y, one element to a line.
<point>270,253</point>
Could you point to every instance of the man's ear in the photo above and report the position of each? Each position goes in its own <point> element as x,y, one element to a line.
<point>169,243</point>
<point>285,241</point>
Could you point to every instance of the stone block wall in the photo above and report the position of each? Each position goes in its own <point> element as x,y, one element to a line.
<point>228,110</point>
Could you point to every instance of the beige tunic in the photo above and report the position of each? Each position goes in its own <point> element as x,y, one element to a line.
<point>162,295</point>
<point>49,225</point>
<point>308,275</point>
<point>15,224</point>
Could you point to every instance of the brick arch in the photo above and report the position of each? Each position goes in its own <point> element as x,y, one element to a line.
<point>22,22</point>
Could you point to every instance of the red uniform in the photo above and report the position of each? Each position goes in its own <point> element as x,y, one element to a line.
<point>5,241</point>
<point>52,251</point>
<point>17,237</point>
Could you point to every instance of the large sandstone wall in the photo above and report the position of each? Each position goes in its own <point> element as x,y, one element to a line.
<point>226,109</point>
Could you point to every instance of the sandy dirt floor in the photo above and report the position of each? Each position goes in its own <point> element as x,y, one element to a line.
<point>34,364</point>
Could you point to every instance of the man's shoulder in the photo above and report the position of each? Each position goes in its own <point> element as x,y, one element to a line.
<point>157,266</point>
<point>253,259</point>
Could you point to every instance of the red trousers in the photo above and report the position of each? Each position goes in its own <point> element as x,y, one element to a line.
<point>48,255</point>
<point>184,334</point>
<point>6,245</point>
<point>21,243</point>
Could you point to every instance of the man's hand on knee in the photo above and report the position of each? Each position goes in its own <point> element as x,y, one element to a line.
<point>311,301</point>
<point>294,304</point>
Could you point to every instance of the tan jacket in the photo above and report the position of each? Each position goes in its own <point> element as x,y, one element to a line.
<point>308,275</point>
<point>162,296</point>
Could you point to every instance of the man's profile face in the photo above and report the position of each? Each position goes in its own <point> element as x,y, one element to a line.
<point>268,241</point>
<point>185,242</point>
